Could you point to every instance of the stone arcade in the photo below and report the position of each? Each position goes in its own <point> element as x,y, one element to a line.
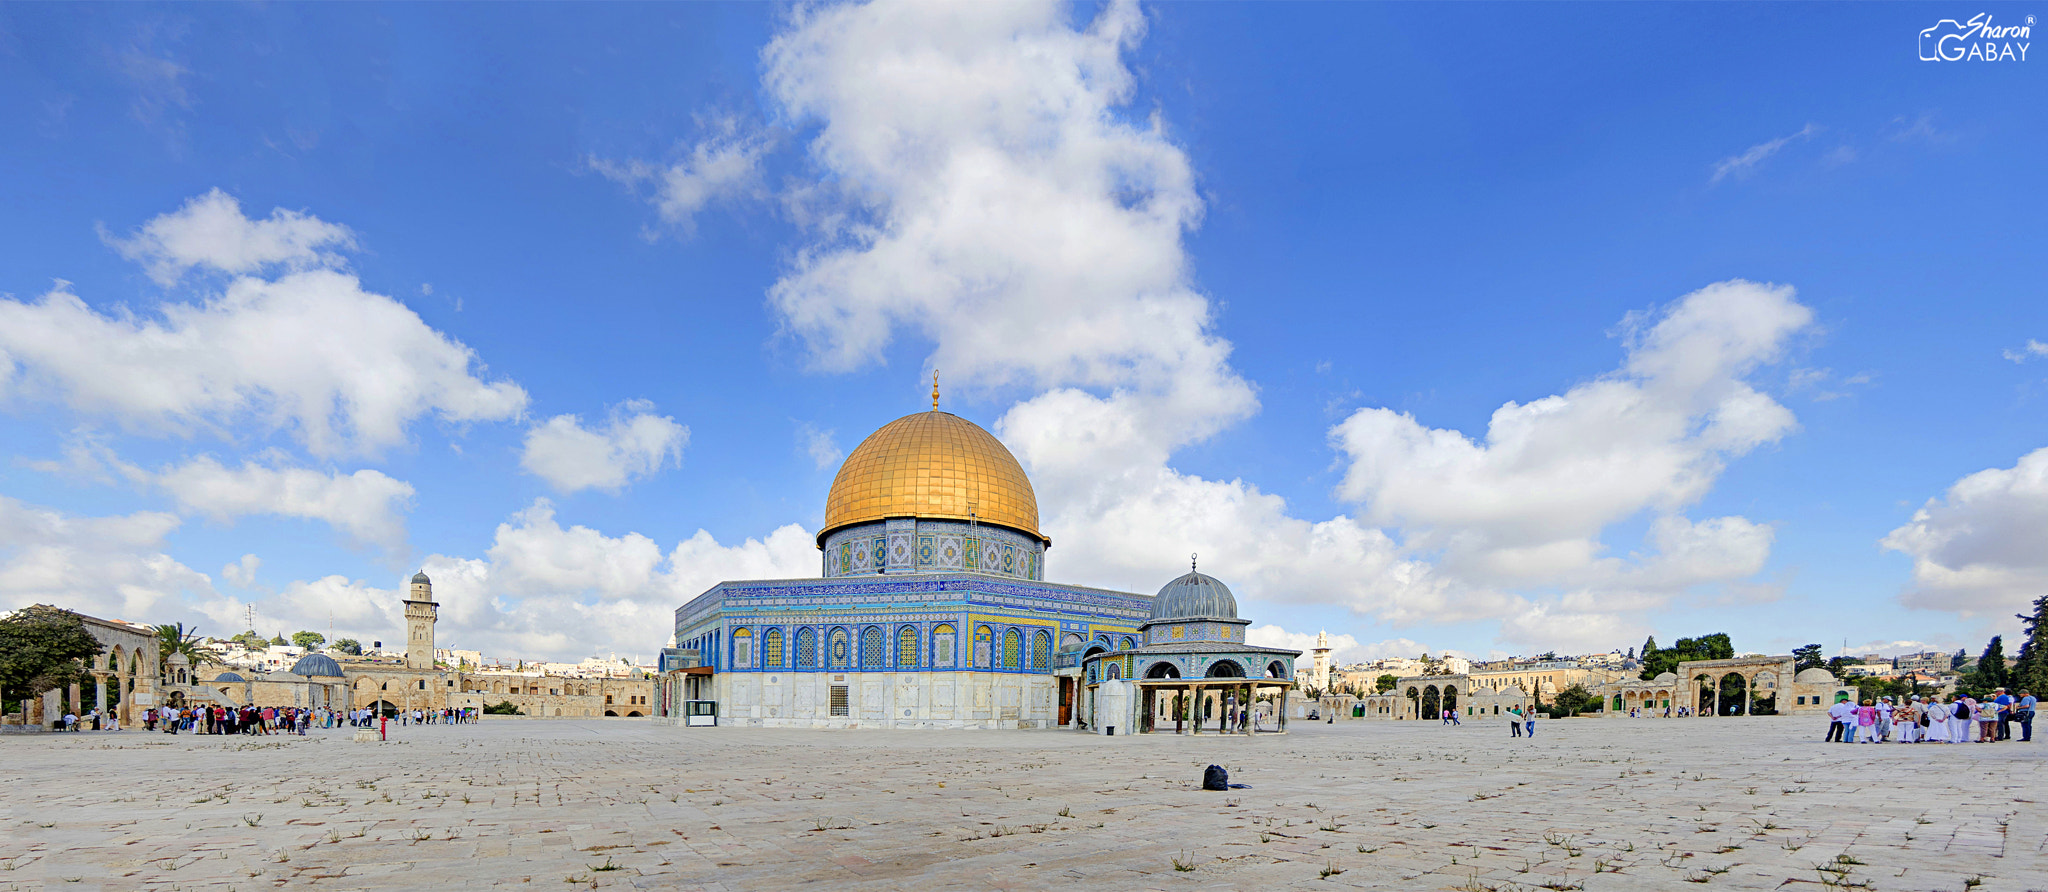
<point>932,611</point>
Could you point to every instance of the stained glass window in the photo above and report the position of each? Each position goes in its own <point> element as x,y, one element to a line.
<point>1041,651</point>
<point>806,649</point>
<point>871,648</point>
<point>1013,650</point>
<point>906,648</point>
<point>771,649</point>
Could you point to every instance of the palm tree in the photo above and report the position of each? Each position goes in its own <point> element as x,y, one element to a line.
<point>174,639</point>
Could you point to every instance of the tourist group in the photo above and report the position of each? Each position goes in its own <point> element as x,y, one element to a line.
<point>1933,720</point>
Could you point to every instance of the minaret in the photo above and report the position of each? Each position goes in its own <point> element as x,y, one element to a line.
<point>1321,670</point>
<point>419,623</point>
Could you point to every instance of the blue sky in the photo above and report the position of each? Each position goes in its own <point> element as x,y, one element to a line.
<point>575,306</point>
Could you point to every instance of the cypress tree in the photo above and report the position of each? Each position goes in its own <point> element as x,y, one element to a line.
<point>1990,671</point>
<point>1649,658</point>
<point>2031,672</point>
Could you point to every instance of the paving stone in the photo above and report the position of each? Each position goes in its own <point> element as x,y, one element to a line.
<point>1589,804</point>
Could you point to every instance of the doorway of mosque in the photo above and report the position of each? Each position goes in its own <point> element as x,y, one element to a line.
<point>1067,700</point>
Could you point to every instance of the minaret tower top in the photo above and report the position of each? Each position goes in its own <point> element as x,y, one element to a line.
<point>420,615</point>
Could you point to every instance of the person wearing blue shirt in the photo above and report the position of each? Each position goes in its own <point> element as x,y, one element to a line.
<point>2004,703</point>
<point>2023,712</point>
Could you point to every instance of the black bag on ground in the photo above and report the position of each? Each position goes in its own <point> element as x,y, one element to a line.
<point>1215,778</point>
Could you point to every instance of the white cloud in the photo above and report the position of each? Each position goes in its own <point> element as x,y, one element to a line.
<point>1525,506</point>
<point>989,193</point>
<point>823,450</point>
<point>2033,350</point>
<point>112,567</point>
<point>572,458</point>
<point>344,369</point>
<point>725,164</point>
<point>211,232</point>
<point>1742,165</point>
<point>543,589</point>
<point>242,572</point>
<point>367,505</point>
<point>1982,547</point>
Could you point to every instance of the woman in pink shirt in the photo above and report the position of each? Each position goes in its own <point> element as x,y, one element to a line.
<point>1866,723</point>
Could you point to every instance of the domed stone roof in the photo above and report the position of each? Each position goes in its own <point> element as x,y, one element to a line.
<point>229,676</point>
<point>934,465</point>
<point>420,578</point>
<point>1194,596</point>
<point>317,664</point>
<point>1815,675</point>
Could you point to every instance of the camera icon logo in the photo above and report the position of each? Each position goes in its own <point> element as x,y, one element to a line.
<point>1944,41</point>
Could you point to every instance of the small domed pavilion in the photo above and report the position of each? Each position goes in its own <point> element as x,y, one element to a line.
<point>1191,667</point>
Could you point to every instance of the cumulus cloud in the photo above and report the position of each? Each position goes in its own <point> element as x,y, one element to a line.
<point>111,566</point>
<point>2033,350</point>
<point>1741,165</point>
<point>210,232</point>
<point>242,572</point>
<point>1526,504</point>
<point>982,182</point>
<point>633,443</point>
<point>1982,547</point>
<point>344,369</point>
<point>367,505</point>
<point>545,589</point>
<point>723,165</point>
<point>1345,649</point>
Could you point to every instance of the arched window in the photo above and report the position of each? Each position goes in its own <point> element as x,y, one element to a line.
<point>806,649</point>
<point>742,648</point>
<point>906,647</point>
<point>1114,672</point>
<point>771,649</point>
<point>1128,643</point>
<point>942,645</point>
<point>840,648</point>
<point>1041,650</point>
<point>1013,649</point>
<point>983,641</point>
<point>1071,641</point>
<point>871,648</point>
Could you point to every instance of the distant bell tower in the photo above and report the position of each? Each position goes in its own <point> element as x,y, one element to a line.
<point>419,623</point>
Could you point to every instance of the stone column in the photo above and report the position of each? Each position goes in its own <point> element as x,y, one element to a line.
<point>99,692</point>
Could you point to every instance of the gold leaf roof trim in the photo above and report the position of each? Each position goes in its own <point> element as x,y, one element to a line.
<point>935,465</point>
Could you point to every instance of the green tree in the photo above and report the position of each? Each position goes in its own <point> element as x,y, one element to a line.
<point>1384,683</point>
<point>176,639</point>
<point>1990,672</point>
<point>2030,673</point>
<point>348,646</point>
<point>251,641</point>
<point>1573,700</point>
<point>42,647</point>
<point>1808,657</point>
<point>279,640</point>
<point>309,640</point>
<point>502,708</point>
<point>1657,661</point>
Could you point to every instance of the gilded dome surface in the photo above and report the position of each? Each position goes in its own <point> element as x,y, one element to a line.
<point>935,465</point>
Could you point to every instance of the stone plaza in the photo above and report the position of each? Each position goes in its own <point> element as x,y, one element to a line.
<point>1755,803</point>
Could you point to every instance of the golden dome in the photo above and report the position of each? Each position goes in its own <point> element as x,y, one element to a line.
<point>931,464</point>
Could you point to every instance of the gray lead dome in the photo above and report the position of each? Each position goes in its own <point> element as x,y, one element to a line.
<point>1194,596</point>
<point>420,578</point>
<point>317,664</point>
